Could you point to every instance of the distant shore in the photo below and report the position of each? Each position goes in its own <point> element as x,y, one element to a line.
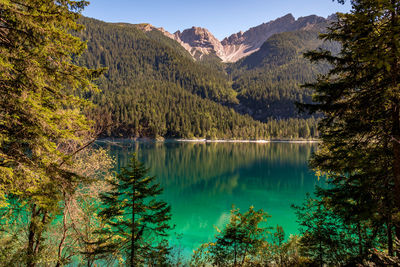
<point>182,140</point>
<point>243,141</point>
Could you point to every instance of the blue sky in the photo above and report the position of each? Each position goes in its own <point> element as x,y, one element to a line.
<point>221,17</point>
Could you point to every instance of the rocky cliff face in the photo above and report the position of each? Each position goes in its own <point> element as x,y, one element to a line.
<point>241,44</point>
<point>200,42</point>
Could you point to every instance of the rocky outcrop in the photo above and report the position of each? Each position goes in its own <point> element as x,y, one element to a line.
<point>200,42</point>
<point>241,44</point>
<point>146,27</point>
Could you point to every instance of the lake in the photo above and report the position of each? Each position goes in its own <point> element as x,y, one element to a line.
<point>202,181</point>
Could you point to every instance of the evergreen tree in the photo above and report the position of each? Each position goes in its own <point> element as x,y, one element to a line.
<point>39,111</point>
<point>138,222</point>
<point>278,237</point>
<point>324,238</point>
<point>243,242</point>
<point>37,82</point>
<point>239,243</point>
<point>360,101</point>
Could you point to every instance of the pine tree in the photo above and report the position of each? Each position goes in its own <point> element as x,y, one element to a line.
<point>241,239</point>
<point>324,238</point>
<point>138,222</point>
<point>360,101</point>
<point>39,111</point>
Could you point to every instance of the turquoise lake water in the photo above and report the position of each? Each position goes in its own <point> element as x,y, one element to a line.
<point>202,181</point>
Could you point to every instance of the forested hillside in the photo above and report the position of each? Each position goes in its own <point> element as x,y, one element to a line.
<point>268,81</point>
<point>153,87</point>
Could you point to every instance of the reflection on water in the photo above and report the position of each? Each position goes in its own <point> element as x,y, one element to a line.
<point>202,181</point>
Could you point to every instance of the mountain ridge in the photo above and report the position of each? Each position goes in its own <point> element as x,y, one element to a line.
<point>154,87</point>
<point>201,43</point>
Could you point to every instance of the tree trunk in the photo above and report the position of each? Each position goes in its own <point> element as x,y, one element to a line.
<point>35,235</point>
<point>396,161</point>
<point>244,257</point>
<point>133,229</point>
<point>64,236</point>
<point>235,255</point>
<point>360,246</point>
<point>395,117</point>
<point>39,233</point>
<point>388,213</point>
<point>321,262</point>
<point>31,238</point>
<point>389,235</point>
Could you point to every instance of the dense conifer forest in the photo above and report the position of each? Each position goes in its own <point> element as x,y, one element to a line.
<point>153,88</point>
<point>268,81</point>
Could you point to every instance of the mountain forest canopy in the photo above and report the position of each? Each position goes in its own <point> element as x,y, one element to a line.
<point>154,88</point>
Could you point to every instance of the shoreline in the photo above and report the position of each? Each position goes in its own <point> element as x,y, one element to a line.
<point>243,141</point>
<point>181,140</point>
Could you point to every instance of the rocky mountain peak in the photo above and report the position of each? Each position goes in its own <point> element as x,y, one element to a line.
<point>288,18</point>
<point>146,27</point>
<point>304,22</point>
<point>199,41</point>
<point>198,37</point>
<point>242,44</point>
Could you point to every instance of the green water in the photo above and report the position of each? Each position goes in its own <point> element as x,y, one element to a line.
<point>202,181</point>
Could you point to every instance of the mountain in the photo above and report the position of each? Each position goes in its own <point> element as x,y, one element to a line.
<point>202,44</point>
<point>242,44</point>
<point>159,84</point>
<point>199,42</point>
<point>268,82</point>
<point>154,88</point>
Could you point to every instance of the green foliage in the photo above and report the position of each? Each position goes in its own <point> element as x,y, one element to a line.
<point>244,242</point>
<point>241,238</point>
<point>360,101</point>
<point>268,81</point>
<point>41,119</point>
<point>325,239</point>
<point>238,243</point>
<point>38,110</point>
<point>63,233</point>
<point>287,253</point>
<point>153,88</point>
<point>125,49</point>
<point>381,258</point>
<point>136,222</point>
